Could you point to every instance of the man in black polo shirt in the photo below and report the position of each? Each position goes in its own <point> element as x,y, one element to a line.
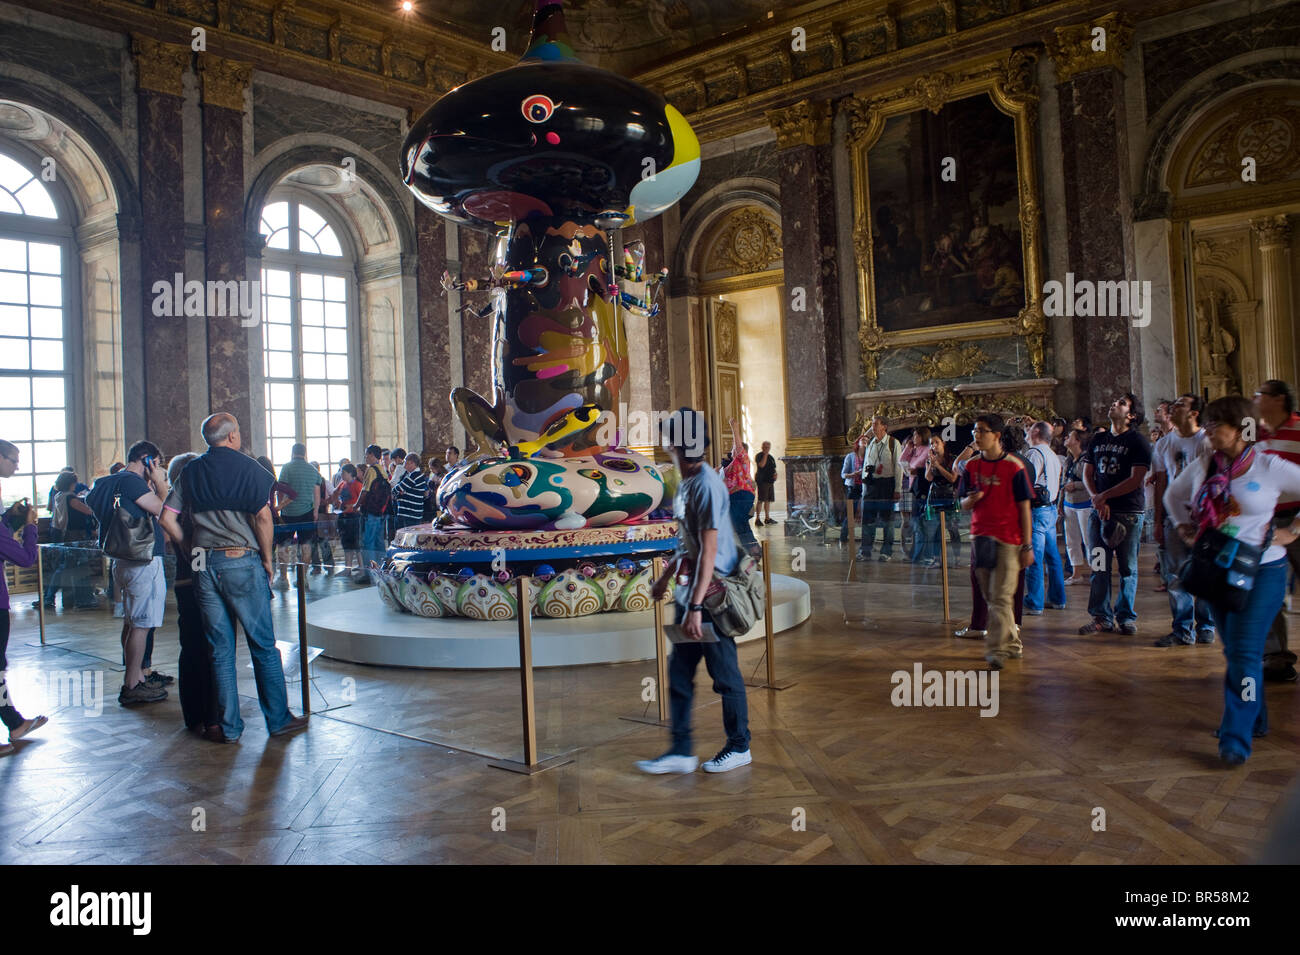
<point>227,494</point>
<point>1115,465</point>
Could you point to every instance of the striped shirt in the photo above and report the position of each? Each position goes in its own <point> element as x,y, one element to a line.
<point>1285,443</point>
<point>410,503</point>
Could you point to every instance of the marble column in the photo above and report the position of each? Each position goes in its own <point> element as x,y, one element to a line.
<point>813,346</point>
<point>224,84</point>
<point>476,332</point>
<point>1098,203</point>
<point>160,69</point>
<point>434,336</point>
<point>1277,339</point>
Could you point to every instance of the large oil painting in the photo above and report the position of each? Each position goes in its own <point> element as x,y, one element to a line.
<point>945,217</point>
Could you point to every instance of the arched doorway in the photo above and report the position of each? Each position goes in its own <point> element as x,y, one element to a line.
<point>1234,176</point>
<point>738,266</point>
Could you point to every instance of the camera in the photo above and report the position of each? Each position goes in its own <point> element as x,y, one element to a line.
<point>16,516</point>
<point>869,471</point>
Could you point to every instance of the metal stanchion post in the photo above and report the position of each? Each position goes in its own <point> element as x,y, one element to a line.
<point>943,559</point>
<point>40,589</point>
<point>661,658</point>
<point>769,633</point>
<point>530,765</point>
<point>302,637</point>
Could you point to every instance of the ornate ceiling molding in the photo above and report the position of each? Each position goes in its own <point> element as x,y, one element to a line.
<point>1074,48</point>
<point>160,67</point>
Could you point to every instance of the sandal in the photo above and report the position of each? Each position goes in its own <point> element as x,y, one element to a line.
<point>27,726</point>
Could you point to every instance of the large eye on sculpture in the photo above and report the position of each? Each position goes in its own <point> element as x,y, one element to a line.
<point>538,108</point>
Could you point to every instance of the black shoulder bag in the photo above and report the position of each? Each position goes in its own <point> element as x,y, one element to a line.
<point>1220,568</point>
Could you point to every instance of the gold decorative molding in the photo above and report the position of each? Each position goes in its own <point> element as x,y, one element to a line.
<point>224,81</point>
<point>1271,231</point>
<point>160,67</point>
<point>726,334</point>
<point>806,123</point>
<point>951,361</point>
<point>1215,252</point>
<point>748,241</point>
<point>1009,81</point>
<point>807,447</point>
<point>1074,48</point>
<point>742,283</point>
<point>932,409</point>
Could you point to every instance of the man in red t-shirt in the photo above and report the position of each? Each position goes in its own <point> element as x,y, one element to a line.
<point>1279,433</point>
<point>995,489</point>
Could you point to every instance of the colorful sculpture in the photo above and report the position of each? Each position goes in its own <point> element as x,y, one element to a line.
<point>558,155</point>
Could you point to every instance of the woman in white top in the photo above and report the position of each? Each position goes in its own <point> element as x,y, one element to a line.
<point>1234,488</point>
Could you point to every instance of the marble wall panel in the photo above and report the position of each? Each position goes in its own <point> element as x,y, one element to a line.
<point>476,333</point>
<point>278,113</point>
<point>435,346</point>
<point>93,69</point>
<point>223,187</point>
<point>162,257</point>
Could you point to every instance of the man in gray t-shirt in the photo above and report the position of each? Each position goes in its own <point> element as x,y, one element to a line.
<point>706,542</point>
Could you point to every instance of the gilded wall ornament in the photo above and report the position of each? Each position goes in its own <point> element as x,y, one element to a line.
<point>931,410</point>
<point>726,336</point>
<point>1074,47</point>
<point>224,81</point>
<point>1215,251</point>
<point>806,123</point>
<point>951,361</point>
<point>1271,230</point>
<point>932,91</point>
<point>160,67</point>
<point>749,241</point>
<point>1265,128</point>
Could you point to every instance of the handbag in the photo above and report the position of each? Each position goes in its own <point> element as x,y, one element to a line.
<point>1221,569</point>
<point>736,600</point>
<point>127,537</point>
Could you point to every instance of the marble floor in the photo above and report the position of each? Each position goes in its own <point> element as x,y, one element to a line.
<point>395,767</point>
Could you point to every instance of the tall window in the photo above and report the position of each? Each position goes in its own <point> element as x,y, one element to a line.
<point>34,383</point>
<point>305,335</point>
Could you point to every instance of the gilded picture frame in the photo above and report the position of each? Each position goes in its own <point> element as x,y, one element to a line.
<point>1009,82</point>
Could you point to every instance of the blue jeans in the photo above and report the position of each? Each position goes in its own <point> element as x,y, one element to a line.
<point>1127,556</point>
<point>235,590</point>
<point>373,544</point>
<point>741,502</point>
<point>1243,634</point>
<point>1185,609</point>
<point>1047,560</point>
<point>877,508</point>
<point>723,665</point>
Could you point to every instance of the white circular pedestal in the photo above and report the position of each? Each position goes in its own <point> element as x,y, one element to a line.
<point>359,628</point>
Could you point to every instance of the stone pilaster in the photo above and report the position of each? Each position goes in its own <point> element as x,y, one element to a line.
<point>160,69</point>
<point>1098,201</point>
<point>435,347</point>
<point>813,361</point>
<point>1277,339</point>
<point>224,84</point>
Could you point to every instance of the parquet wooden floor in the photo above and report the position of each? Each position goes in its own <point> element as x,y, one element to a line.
<point>399,775</point>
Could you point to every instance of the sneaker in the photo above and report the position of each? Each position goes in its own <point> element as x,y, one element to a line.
<point>995,663</point>
<point>7,749</point>
<point>769,521</point>
<point>119,611</point>
<point>1285,674</point>
<point>668,763</point>
<point>213,734</point>
<point>1174,640</point>
<point>728,760</point>
<point>969,633</point>
<point>295,724</point>
<point>1056,606</point>
<point>142,692</point>
<point>1128,629</point>
<point>862,556</point>
<point>159,679</point>
<point>1231,757</point>
<point>885,558</point>
<point>1207,636</point>
<point>1015,654</point>
<point>1097,626</point>
<point>281,584</point>
<point>1032,613</point>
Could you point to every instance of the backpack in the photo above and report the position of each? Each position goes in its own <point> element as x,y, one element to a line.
<point>1041,496</point>
<point>375,501</point>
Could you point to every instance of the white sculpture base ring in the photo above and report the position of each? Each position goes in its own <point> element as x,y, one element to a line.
<point>356,628</point>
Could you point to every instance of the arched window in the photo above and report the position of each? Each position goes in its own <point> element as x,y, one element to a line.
<point>36,269</point>
<point>306,334</point>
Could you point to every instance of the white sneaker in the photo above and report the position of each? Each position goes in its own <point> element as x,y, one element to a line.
<point>119,610</point>
<point>728,760</point>
<point>281,584</point>
<point>668,763</point>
